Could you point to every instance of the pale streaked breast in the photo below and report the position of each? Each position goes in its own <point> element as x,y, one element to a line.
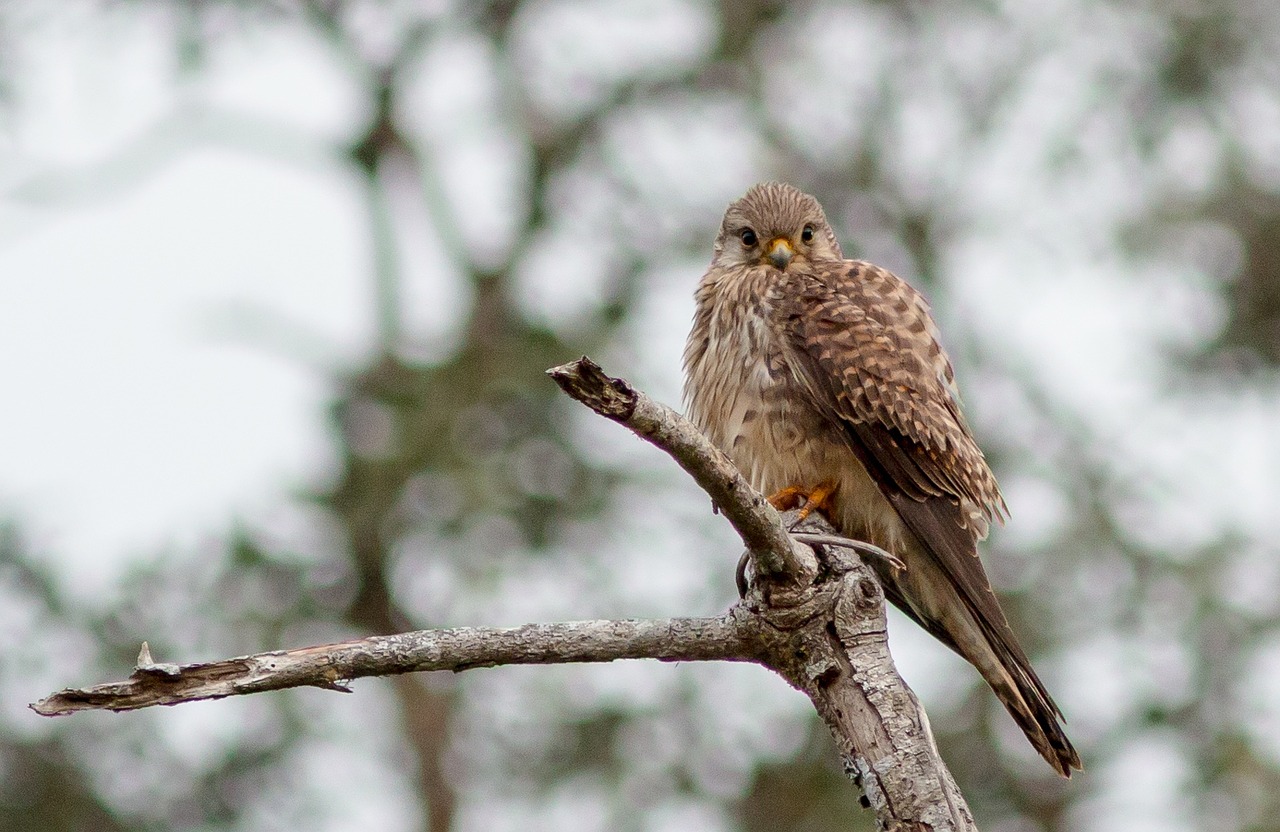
<point>741,393</point>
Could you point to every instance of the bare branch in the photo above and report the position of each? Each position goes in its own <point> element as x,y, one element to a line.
<point>827,637</point>
<point>756,522</point>
<point>329,666</point>
<point>816,616</point>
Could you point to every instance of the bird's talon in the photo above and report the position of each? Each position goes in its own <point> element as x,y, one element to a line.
<point>740,578</point>
<point>793,496</point>
<point>788,498</point>
<point>819,499</point>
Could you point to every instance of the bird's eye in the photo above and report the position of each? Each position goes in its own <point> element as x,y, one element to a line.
<point>748,237</point>
<point>807,234</point>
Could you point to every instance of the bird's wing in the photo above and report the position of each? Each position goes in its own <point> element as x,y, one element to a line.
<point>864,347</point>
<point>867,348</point>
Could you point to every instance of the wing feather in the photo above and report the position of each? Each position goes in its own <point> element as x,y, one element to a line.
<point>863,345</point>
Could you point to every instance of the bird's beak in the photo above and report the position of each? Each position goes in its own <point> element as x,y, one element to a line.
<point>780,252</point>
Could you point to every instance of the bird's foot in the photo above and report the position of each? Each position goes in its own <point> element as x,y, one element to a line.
<point>819,499</point>
<point>788,498</point>
<point>808,500</point>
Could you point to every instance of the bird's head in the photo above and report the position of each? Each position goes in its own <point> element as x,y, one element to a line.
<point>777,225</point>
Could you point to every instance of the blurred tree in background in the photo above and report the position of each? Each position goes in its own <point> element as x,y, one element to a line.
<point>1089,192</point>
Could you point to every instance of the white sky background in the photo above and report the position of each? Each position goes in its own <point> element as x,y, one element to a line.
<point>138,410</point>
<point>135,414</point>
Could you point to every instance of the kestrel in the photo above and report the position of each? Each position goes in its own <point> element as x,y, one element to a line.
<point>823,379</point>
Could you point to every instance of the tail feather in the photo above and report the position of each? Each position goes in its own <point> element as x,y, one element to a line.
<point>937,606</point>
<point>1023,696</point>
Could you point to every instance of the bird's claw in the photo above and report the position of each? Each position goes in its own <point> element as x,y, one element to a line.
<point>808,500</point>
<point>860,546</point>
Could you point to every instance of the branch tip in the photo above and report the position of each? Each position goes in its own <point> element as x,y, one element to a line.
<point>585,381</point>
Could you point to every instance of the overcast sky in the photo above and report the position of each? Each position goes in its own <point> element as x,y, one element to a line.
<point>168,324</point>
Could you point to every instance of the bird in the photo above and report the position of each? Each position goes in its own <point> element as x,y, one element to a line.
<point>825,382</point>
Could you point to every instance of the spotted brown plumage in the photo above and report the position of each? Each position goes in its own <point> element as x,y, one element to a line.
<point>810,370</point>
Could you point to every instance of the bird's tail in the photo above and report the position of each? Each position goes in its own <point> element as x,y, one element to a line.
<point>991,647</point>
<point>1024,696</point>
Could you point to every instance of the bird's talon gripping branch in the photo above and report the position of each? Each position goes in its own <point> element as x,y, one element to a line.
<point>807,500</point>
<point>860,546</point>
<point>740,579</point>
<point>819,499</point>
<point>788,498</point>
